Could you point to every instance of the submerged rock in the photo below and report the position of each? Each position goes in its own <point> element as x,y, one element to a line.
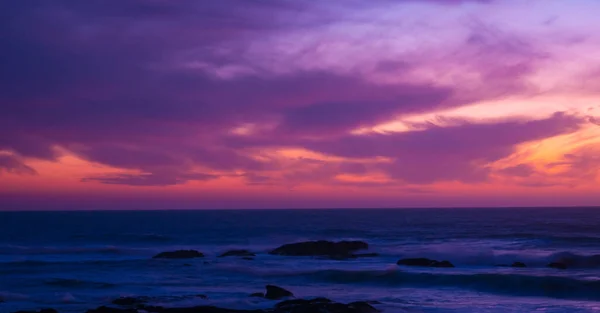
<point>320,305</point>
<point>362,307</point>
<point>130,301</point>
<point>105,309</point>
<point>518,264</point>
<point>257,294</point>
<point>320,248</point>
<point>40,311</point>
<point>365,255</point>
<point>179,254</point>
<point>294,303</point>
<point>323,305</point>
<point>558,265</point>
<point>276,293</point>
<point>424,262</point>
<point>244,253</point>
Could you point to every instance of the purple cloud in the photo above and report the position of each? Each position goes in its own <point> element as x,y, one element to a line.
<point>152,179</point>
<point>113,83</point>
<point>11,164</point>
<point>521,170</point>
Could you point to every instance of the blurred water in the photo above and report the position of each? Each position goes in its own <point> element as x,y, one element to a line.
<point>73,261</point>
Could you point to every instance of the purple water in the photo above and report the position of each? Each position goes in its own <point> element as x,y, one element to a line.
<point>73,261</point>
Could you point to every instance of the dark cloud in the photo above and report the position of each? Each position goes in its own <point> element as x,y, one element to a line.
<point>12,164</point>
<point>521,170</point>
<point>341,116</point>
<point>150,179</point>
<point>458,152</point>
<point>111,82</point>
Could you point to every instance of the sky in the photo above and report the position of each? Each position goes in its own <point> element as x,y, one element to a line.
<point>156,104</point>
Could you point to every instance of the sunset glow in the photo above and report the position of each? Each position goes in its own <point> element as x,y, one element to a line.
<point>269,104</point>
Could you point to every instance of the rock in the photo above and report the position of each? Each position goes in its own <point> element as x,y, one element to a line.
<point>323,305</point>
<point>242,253</point>
<point>276,293</point>
<point>105,309</point>
<point>518,264</point>
<point>289,304</point>
<point>443,264</point>
<point>248,258</point>
<point>129,301</point>
<point>179,254</point>
<point>424,262</point>
<point>320,248</point>
<point>366,255</point>
<point>343,257</point>
<point>558,265</point>
<point>40,311</point>
<point>150,308</point>
<point>362,307</point>
<point>257,294</point>
<point>202,296</point>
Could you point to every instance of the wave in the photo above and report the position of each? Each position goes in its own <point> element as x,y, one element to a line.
<point>108,249</point>
<point>8,266</point>
<point>126,237</point>
<point>470,255</point>
<point>69,283</point>
<point>508,284</point>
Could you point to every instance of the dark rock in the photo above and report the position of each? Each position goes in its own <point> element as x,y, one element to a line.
<point>187,264</point>
<point>323,305</point>
<point>518,264</point>
<point>202,296</point>
<point>320,248</point>
<point>130,301</point>
<point>366,255</point>
<point>248,258</point>
<point>40,311</point>
<point>289,304</point>
<point>179,254</point>
<point>105,309</point>
<point>245,253</point>
<point>416,262</point>
<point>362,307</point>
<point>558,265</point>
<point>343,257</point>
<point>424,262</point>
<point>257,294</point>
<point>443,264</point>
<point>276,293</point>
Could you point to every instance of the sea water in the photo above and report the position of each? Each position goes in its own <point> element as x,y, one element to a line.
<point>74,261</point>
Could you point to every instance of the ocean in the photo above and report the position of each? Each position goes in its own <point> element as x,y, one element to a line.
<point>74,261</point>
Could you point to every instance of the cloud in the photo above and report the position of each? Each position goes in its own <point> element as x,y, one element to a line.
<point>12,164</point>
<point>446,153</point>
<point>582,164</point>
<point>158,86</point>
<point>343,116</point>
<point>521,170</point>
<point>150,179</point>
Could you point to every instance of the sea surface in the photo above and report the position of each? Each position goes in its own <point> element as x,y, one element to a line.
<point>74,261</point>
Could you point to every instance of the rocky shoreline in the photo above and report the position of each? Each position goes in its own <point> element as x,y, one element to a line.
<point>340,250</point>
<point>291,305</point>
